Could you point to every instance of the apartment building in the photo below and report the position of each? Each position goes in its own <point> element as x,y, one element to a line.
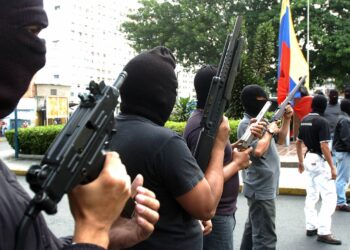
<point>85,42</point>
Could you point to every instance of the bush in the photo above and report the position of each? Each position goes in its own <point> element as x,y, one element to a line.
<point>233,132</point>
<point>34,140</point>
<point>178,127</point>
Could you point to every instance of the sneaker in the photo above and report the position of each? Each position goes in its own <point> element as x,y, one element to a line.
<point>344,208</point>
<point>328,239</point>
<point>311,232</point>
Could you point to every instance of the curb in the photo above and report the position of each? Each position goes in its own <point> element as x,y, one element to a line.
<point>19,172</point>
<point>282,190</point>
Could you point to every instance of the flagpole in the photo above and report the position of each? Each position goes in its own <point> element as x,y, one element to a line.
<point>308,32</point>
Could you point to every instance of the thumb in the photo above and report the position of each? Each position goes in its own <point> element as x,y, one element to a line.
<point>138,181</point>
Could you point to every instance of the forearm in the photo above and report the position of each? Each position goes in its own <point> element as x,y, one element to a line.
<point>283,132</point>
<point>262,145</point>
<point>215,176</point>
<point>299,148</point>
<point>327,154</point>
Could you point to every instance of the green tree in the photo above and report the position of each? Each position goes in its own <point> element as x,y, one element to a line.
<point>196,31</point>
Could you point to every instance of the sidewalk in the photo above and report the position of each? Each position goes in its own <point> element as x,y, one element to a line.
<point>291,181</point>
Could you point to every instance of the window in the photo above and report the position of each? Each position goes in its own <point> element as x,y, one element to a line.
<point>53,91</point>
<point>56,76</point>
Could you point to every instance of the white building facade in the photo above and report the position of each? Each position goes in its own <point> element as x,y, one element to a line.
<point>85,42</point>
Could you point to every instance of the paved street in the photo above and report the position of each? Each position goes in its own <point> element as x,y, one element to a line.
<point>290,216</point>
<point>290,224</point>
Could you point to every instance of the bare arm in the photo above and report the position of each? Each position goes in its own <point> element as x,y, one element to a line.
<point>299,146</point>
<point>264,143</point>
<point>283,131</point>
<point>202,200</point>
<point>328,156</point>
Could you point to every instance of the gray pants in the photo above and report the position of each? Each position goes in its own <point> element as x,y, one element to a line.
<point>259,232</point>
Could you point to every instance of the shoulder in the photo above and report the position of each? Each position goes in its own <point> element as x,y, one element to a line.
<point>321,120</point>
<point>344,120</point>
<point>245,121</point>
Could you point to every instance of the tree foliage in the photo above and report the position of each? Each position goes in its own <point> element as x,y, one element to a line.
<point>196,31</point>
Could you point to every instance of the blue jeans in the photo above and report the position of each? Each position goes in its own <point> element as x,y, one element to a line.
<point>221,237</point>
<point>343,176</point>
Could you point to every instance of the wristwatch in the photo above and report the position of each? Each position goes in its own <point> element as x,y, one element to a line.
<point>270,131</point>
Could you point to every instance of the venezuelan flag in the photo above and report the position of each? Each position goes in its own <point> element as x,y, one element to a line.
<point>291,62</point>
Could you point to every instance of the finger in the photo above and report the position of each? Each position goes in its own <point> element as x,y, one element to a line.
<point>145,191</point>
<point>146,213</point>
<point>252,120</point>
<point>147,201</point>
<point>138,181</point>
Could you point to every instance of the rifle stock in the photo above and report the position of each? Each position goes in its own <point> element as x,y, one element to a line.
<point>219,95</point>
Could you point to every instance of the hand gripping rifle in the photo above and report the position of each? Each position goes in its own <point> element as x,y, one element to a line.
<point>76,155</point>
<point>246,140</point>
<point>219,95</point>
<point>281,108</point>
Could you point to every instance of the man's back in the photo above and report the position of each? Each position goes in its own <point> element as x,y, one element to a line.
<point>169,169</point>
<point>331,114</point>
<point>313,130</point>
<point>341,141</point>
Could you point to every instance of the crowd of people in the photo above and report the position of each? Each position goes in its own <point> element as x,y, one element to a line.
<point>179,205</point>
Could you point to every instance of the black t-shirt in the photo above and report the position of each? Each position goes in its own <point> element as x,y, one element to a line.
<point>169,170</point>
<point>313,130</point>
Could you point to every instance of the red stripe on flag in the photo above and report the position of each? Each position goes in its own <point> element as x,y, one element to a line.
<point>302,106</point>
<point>283,81</point>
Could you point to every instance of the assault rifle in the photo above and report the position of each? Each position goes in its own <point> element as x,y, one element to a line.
<point>281,108</point>
<point>219,94</point>
<point>245,141</point>
<point>76,156</point>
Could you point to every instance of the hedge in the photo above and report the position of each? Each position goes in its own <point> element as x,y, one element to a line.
<point>36,140</point>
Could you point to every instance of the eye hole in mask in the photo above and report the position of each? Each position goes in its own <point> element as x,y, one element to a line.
<point>34,29</point>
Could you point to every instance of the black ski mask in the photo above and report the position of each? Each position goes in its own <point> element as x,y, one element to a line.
<point>345,106</point>
<point>202,82</point>
<point>22,53</point>
<point>319,104</point>
<point>333,97</point>
<point>150,88</point>
<point>253,98</point>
